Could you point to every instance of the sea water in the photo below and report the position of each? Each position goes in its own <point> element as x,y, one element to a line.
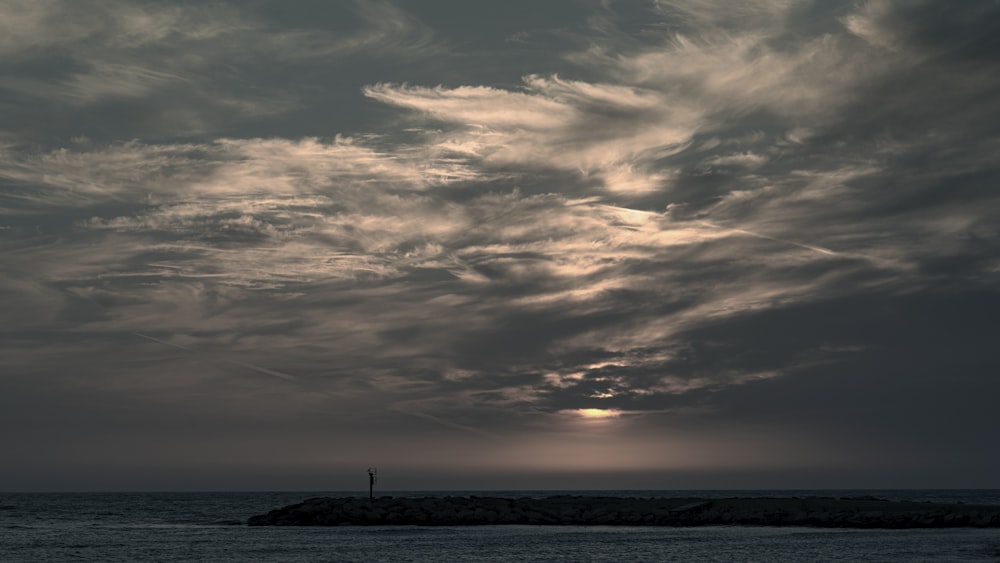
<point>210,527</point>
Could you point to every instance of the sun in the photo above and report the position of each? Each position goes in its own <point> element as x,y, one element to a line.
<point>598,413</point>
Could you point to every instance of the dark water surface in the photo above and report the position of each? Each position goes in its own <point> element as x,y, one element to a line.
<point>209,527</point>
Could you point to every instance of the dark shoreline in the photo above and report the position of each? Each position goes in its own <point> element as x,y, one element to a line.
<point>825,512</point>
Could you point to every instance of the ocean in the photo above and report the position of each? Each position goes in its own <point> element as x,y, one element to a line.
<point>168,527</point>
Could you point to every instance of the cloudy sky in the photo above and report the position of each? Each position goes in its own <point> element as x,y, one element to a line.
<point>561,244</point>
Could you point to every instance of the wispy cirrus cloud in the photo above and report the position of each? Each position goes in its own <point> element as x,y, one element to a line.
<point>273,214</point>
<point>135,171</point>
<point>182,69</point>
<point>33,26</point>
<point>553,124</point>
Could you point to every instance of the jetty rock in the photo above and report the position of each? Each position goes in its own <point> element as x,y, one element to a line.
<point>826,512</point>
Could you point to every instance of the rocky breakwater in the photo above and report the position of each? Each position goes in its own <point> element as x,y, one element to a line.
<point>612,511</point>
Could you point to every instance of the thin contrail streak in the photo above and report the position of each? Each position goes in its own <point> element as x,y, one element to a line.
<point>819,249</point>
<point>164,342</point>
<point>258,369</point>
<point>287,377</point>
<point>266,371</point>
<point>448,423</point>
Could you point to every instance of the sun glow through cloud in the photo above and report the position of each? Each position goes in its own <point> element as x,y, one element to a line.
<point>598,414</point>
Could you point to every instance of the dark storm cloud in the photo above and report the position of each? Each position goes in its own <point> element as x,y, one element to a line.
<point>311,229</point>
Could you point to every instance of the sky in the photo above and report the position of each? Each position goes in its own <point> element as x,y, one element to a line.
<point>572,244</point>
